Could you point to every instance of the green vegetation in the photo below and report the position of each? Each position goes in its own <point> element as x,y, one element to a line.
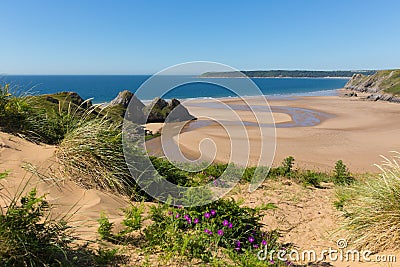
<point>387,81</point>
<point>30,237</point>
<point>14,110</point>
<point>25,239</point>
<point>92,155</point>
<point>341,174</point>
<point>105,227</point>
<point>372,209</point>
<point>222,233</point>
<point>45,118</point>
<point>286,73</point>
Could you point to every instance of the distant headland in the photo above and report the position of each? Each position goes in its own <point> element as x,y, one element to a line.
<point>287,74</point>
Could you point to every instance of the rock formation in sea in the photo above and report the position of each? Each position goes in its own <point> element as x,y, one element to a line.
<point>157,111</point>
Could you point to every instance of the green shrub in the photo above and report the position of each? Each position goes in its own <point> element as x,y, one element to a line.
<point>105,227</point>
<point>106,256</point>
<point>28,237</point>
<point>170,172</point>
<point>204,232</point>
<point>14,110</point>
<point>341,174</point>
<point>287,165</point>
<point>311,178</point>
<point>132,218</point>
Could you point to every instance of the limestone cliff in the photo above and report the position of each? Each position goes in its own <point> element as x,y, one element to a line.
<point>383,85</point>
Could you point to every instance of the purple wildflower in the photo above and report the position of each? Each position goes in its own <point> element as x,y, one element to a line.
<point>213,212</point>
<point>186,216</point>
<point>238,243</point>
<point>255,246</point>
<point>206,231</point>
<point>189,221</point>
<point>225,223</point>
<point>207,215</point>
<point>230,225</point>
<point>196,221</point>
<point>263,242</point>
<point>170,213</point>
<point>177,215</point>
<point>251,239</point>
<point>220,232</point>
<point>272,261</point>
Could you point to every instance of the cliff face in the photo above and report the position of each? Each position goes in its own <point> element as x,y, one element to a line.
<point>383,85</point>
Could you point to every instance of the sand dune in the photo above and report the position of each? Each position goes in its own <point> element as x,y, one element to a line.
<point>65,195</point>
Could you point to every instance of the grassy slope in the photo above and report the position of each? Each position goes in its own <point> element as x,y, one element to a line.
<point>392,84</point>
<point>386,80</point>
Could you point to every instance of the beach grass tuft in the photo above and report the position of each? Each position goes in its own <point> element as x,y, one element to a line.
<point>92,155</point>
<point>372,208</point>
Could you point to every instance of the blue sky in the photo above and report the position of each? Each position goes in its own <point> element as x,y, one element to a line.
<point>143,37</point>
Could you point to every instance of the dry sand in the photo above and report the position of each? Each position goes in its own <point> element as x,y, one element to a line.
<point>358,132</point>
<point>66,196</point>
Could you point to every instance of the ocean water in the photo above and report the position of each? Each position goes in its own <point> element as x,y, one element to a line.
<point>103,88</point>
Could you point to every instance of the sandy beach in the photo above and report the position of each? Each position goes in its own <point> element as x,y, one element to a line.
<point>347,129</point>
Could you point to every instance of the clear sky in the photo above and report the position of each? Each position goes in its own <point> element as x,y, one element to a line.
<point>143,37</point>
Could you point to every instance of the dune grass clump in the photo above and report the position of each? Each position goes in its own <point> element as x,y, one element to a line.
<point>42,118</point>
<point>372,208</point>
<point>14,109</point>
<point>50,125</point>
<point>92,155</point>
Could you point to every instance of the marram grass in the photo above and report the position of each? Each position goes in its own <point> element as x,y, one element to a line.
<point>92,156</point>
<point>373,210</point>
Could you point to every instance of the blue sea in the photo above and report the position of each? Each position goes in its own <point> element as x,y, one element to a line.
<point>103,88</point>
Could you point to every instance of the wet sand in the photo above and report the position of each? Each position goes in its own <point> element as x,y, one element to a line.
<point>317,131</point>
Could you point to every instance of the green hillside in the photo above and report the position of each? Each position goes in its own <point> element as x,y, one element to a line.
<point>384,81</point>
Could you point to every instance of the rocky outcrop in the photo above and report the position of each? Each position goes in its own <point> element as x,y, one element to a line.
<point>158,111</point>
<point>124,98</point>
<point>382,86</point>
<point>178,112</point>
<point>119,105</point>
<point>383,97</point>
